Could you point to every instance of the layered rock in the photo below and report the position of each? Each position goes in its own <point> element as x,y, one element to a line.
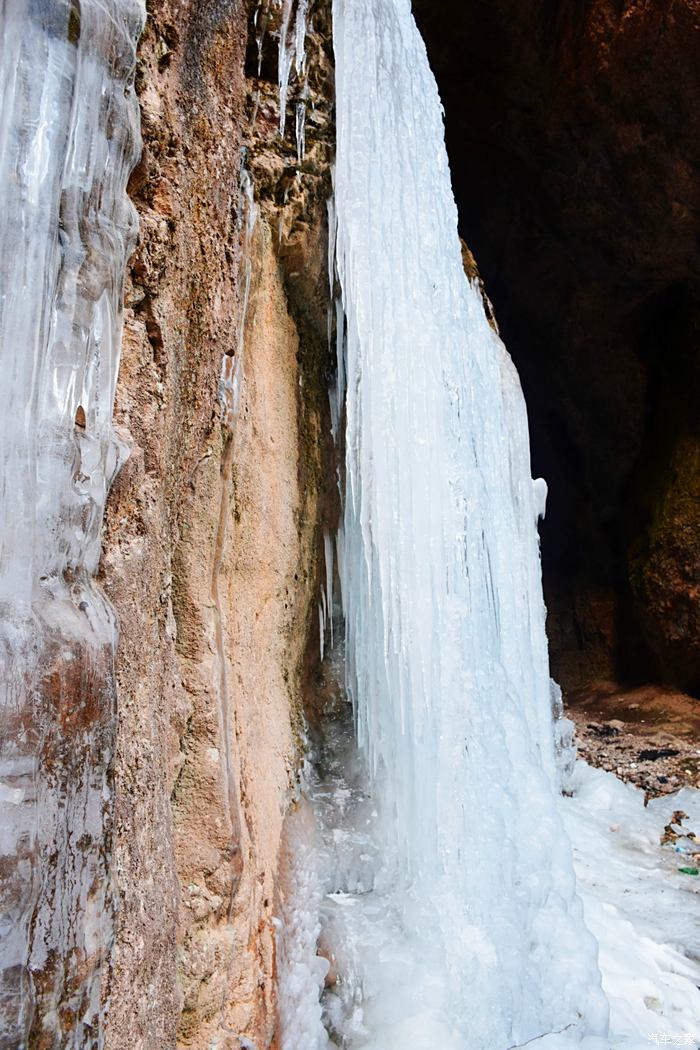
<point>211,540</point>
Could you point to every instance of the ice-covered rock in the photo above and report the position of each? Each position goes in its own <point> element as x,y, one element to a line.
<point>68,141</point>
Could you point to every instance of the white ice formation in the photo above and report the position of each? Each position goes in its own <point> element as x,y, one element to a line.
<point>68,141</point>
<point>445,621</point>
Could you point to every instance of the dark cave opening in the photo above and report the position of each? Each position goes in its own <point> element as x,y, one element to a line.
<point>569,132</point>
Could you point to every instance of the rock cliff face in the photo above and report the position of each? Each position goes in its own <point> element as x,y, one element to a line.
<point>211,539</point>
<point>570,132</point>
<point>577,184</point>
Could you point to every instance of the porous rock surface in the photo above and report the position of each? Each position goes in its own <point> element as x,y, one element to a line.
<point>210,544</point>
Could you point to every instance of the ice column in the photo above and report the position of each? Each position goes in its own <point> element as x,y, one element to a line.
<point>68,140</point>
<point>441,584</point>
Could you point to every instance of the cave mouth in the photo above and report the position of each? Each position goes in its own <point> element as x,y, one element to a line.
<point>577,193</point>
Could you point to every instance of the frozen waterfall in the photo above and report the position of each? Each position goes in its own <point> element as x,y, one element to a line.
<point>68,140</point>
<point>473,933</point>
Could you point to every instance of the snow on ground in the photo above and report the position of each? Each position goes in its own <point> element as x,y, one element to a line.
<point>383,989</point>
<point>643,911</point>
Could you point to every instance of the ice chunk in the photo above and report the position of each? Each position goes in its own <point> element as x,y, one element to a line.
<point>539,495</point>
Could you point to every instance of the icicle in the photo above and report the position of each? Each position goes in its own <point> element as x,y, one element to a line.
<point>286,57</point>
<point>300,37</point>
<point>260,23</point>
<point>300,111</point>
<point>321,627</point>
<point>333,404</point>
<point>300,65</point>
<point>328,559</point>
<point>332,233</point>
<point>337,314</point>
<point>232,364</point>
<point>292,55</point>
<point>340,355</point>
<point>340,555</point>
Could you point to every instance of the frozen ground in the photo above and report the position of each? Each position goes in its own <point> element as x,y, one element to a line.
<point>379,985</point>
<point>643,911</point>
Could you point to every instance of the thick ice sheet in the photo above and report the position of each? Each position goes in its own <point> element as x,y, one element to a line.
<point>68,140</point>
<point>441,588</point>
